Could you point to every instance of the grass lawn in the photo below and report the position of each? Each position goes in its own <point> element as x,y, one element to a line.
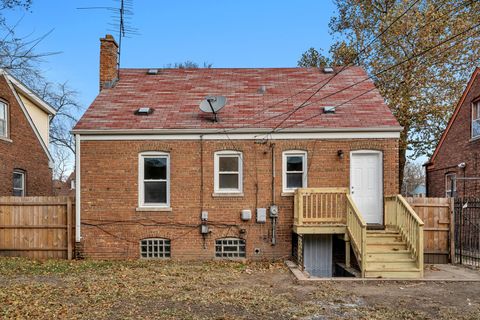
<point>214,290</point>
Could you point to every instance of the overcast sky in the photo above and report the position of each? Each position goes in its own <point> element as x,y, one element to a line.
<point>224,33</point>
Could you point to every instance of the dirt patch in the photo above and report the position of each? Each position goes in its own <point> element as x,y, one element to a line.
<point>214,290</point>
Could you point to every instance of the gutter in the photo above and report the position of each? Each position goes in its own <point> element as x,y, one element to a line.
<point>230,130</point>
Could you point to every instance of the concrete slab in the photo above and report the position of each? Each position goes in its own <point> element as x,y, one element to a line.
<point>433,272</point>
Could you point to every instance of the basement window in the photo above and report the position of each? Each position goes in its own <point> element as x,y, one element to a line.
<point>230,248</point>
<point>155,248</point>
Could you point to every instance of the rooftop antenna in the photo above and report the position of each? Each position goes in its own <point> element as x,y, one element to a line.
<point>121,17</point>
<point>213,104</point>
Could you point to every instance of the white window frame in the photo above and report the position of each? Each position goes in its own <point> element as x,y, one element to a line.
<point>476,105</point>
<point>141,185</point>
<point>23,189</point>
<point>294,153</point>
<point>448,190</point>
<point>216,165</point>
<point>5,105</point>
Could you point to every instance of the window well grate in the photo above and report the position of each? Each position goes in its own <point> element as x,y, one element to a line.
<point>155,248</point>
<point>230,248</point>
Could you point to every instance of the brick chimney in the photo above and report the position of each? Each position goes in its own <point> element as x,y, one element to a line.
<point>108,62</point>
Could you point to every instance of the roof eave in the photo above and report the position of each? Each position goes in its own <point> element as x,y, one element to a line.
<point>230,130</point>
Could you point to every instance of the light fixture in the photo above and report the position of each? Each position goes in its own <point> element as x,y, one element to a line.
<point>340,154</point>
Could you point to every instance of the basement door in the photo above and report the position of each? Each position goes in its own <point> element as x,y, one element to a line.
<point>317,254</point>
<point>366,184</point>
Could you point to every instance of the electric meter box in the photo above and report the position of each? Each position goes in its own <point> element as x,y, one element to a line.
<point>261,215</point>
<point>246,215</point>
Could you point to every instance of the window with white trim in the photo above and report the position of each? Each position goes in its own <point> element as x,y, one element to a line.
<point>476,119</point>
<point>230,248</point>
<point>3,119</point>
<point>450,185</point>
<point>228,169</point>
<point>154,179</point>
<point>294,170</point>
<point>155,248</point>
<point>19,183</point>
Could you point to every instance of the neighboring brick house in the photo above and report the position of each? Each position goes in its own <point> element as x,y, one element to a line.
<point>454,169</point>
<point>149,181</point>
<point>25,162</point>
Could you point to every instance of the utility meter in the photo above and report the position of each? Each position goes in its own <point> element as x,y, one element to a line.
<point>274,211</point>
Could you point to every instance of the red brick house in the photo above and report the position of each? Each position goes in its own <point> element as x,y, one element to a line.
<point>158,178</point>
<point>25,162</point>
<point>454,169</point>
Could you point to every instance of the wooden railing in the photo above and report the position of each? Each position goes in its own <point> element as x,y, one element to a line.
<point>320,206</point>
<point>400,215</point>
<point>357,231</point>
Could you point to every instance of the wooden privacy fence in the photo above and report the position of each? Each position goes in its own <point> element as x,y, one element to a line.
<point>437,215</point>
<point>37,227</point>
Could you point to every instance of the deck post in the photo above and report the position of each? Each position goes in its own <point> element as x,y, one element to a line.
<point>347,251</point>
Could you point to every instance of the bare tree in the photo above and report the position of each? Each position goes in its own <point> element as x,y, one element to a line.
<point>414,176</point>
<point>19,56</point>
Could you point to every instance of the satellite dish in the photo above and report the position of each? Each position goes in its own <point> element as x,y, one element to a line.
<point>213,104</point>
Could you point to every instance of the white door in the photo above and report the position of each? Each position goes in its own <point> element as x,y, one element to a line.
<point>366,184</point>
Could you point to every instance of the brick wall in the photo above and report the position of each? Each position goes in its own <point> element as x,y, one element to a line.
<point>22,152</point>
<point>458,147</point>
<point>109,191</point>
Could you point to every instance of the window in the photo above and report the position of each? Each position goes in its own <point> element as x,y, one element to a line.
<point>3,120</point>
<point>450,185</point>
<point>228,172</point>
<point>19,183</point>
<point>154,179</point>
<point>294,170</point>
<point>230,248</point>
<point>476,119</point>
<point>155,248</point>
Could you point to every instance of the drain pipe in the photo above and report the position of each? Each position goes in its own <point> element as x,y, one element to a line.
<point>273,207</point>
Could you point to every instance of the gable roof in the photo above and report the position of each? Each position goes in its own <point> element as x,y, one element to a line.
<point>454,115</point>
<point>175,95</point>
<point>18,87</point>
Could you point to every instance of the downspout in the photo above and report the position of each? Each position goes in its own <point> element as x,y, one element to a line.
<point>77,188</point>
<point>274,218</point>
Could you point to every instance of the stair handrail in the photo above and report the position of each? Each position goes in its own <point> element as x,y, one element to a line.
<point>357,231</point>
<point>410,227</point>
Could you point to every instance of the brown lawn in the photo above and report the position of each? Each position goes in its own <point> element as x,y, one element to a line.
<point>214,290</point>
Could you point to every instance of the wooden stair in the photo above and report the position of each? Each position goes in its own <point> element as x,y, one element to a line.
<point>387,256</point>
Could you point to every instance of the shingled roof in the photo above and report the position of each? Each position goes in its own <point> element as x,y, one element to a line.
<point>175,95</point>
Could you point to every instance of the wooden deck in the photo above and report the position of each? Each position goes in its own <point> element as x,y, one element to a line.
<point>394,252</point>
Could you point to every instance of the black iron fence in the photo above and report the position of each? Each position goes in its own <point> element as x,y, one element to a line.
<point>467,231</point>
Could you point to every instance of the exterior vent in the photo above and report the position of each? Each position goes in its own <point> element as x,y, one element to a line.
<point>328,70</point>
<point>329,109</point>
<point>152,71</point>
<point>143,111</point>
<point>262,89</point>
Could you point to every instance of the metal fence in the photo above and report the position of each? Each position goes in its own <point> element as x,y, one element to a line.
<point>467,231</point>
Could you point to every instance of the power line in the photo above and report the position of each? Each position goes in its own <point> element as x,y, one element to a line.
<point>286,112</point>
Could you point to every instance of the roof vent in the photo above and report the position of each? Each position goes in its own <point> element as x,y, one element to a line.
<point>143,111</point>
<point>328,70</point>
<point>262,89</point>
<point>329,109</point>
<point>152,71</point>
